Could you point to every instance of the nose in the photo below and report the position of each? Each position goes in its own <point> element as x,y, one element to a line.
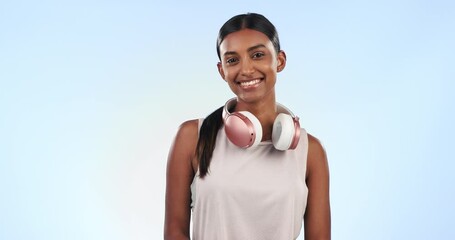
<point>247,67</point>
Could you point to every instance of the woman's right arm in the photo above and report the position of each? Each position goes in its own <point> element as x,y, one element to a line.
<point>179,176</point>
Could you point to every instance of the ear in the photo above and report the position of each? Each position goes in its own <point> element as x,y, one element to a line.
<point>220,70</point>
<point>281,57</point>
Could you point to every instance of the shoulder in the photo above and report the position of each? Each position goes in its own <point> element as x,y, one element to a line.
<point>183,148</point>
<point>188,129</point>
<point>186,138</point>
<point>317,157</point>
<point>315,147</point>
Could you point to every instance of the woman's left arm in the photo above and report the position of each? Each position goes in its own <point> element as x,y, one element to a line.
<point>317,215</point>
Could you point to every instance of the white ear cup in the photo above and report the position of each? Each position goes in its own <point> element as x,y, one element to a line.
<point>256,126</point>
<point>283,131</point>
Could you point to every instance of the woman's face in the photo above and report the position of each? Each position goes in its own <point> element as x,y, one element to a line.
<point>249,64</point>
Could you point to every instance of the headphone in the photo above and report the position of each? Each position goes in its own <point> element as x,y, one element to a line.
<point>244,130</point>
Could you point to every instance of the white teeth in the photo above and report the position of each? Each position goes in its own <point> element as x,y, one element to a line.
<point>249,83</point>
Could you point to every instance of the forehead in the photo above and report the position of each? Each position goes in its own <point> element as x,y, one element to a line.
<point>242,40</point>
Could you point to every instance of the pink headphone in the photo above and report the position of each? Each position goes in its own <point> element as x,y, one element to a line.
<point>244,129</point>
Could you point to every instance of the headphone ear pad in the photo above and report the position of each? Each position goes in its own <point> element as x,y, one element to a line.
<point>283,131</point>
<point>257,127</point>
<point>243,129</point>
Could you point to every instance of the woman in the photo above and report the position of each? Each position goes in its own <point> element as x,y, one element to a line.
<point>247,171</point>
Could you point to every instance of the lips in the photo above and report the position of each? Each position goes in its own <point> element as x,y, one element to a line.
<point>249,83</point>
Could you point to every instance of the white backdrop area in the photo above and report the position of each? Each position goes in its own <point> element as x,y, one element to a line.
<point>92,93</point>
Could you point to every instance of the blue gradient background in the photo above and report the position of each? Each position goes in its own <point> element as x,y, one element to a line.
<point>92,93</point>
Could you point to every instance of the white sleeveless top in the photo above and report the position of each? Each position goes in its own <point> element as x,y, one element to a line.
<point>251,194</point>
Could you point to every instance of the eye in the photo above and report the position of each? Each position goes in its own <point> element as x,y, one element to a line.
<point>231,60</point>
<point>258,55</point>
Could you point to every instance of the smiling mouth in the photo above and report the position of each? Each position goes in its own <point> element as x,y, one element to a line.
<point>250,83</point>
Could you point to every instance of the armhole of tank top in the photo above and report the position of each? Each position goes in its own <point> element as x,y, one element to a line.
<point>199,125</point>
<point>305,140</point>
<point>306,143</point>
<point>193,183</point>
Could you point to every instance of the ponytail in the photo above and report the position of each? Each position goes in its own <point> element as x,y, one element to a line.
<point>207,140</point>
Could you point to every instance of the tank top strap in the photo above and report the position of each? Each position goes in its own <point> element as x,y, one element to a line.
<point>200,121</point>
<point>199,124</point>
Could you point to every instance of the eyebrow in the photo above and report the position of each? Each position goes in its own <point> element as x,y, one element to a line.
<point>249,49</point>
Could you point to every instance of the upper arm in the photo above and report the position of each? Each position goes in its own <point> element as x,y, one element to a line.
<point>179,176</point>
<point>317,214</point>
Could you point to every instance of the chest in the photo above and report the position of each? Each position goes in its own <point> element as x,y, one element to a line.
<point>248,175</point>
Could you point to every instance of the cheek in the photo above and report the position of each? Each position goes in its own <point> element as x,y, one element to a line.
<point>269,67</point>
<point>230,73</point>
<point>269,63</point>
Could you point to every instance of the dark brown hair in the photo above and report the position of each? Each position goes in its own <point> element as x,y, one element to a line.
<point>213,122</point>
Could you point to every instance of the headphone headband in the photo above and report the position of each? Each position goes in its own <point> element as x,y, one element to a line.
<point>233,101</point>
